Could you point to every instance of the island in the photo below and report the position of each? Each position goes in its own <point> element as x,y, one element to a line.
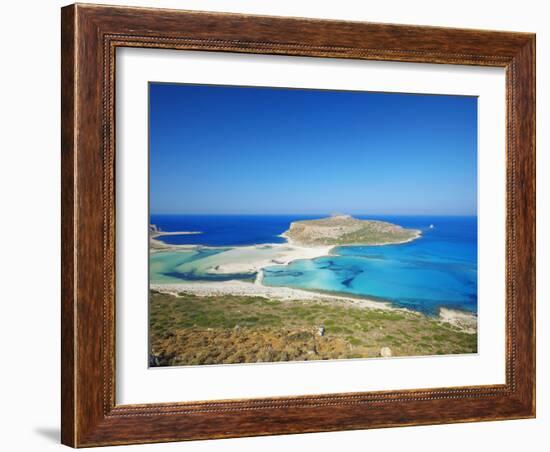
<point>340,230</point>
<point>306,239</point>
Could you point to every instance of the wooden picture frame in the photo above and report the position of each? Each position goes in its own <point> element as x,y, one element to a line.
<point>90,36</point>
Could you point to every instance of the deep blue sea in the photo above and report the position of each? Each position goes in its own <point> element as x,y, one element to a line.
<point>437,270</point>
<point>226,230</point>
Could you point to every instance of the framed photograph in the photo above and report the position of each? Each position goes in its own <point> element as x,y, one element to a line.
<point>281,225</point>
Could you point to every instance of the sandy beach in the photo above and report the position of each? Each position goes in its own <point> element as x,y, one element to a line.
<point>243,288</point>
<point>464,321</point>
<point>252,259</point>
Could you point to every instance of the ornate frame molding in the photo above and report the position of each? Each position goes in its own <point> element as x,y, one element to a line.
<point>90,36</point>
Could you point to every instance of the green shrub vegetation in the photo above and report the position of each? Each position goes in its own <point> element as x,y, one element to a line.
<point>189,329</point>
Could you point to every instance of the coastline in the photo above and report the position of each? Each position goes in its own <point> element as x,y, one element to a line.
<point>159,233</point>
<point>461,320</point>
<point>261,256</point>
<point>188,329</point>
<point>411,239</point>
<point>160,245</point>
<point>418,234</point>
<point>156,244</point>
<point>257,289</point>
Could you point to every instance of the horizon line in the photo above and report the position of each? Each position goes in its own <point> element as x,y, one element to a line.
<point>319,214</point>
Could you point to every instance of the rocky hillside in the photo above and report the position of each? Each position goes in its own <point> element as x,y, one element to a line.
<point>346,230</point>
<point>190,330</point>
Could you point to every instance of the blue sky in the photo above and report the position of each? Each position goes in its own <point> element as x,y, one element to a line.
<point>244,150</point>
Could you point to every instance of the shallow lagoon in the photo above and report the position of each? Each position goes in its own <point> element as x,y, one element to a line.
<point>438,269</point>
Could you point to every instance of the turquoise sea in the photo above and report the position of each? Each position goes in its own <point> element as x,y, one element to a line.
<point>437,270</point>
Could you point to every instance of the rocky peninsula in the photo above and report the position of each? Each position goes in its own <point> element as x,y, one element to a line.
<point>340,230</point>
<point>155,231</point>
